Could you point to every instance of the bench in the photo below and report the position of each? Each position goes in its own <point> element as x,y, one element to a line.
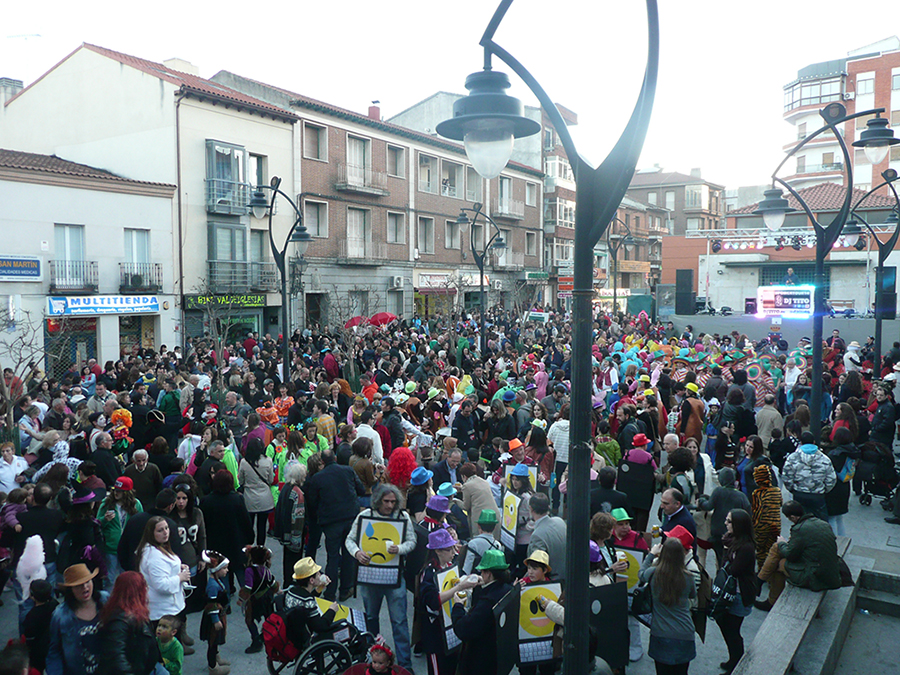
<point>776,643</point>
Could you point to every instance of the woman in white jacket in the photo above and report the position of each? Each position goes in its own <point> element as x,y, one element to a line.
<point>163,570</point>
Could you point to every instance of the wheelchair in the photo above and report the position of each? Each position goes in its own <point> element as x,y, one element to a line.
<point>329,653</point>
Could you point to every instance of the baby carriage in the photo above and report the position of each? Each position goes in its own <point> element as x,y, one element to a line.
<point>875,475</point>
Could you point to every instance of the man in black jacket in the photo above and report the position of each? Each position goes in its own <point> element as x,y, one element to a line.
<point>391,419</point>
<point>465,431</point>
<point>331,494</point>
<point>606,498</point>
<point>672,503</point>
<point>47,523</point>
<point>108,467</point>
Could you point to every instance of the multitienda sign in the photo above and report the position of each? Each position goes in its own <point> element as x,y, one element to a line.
<point>87,305</point>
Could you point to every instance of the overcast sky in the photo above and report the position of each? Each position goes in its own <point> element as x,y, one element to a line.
<point>722,65</point>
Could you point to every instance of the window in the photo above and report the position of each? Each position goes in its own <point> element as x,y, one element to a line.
<point>827,161</point>
<point>801,131</point>
<point>651,198</point>
<point>563,250</point>
<point>504,203</point>
<point>315,142</point>
<point>895,153</point>
<point>562,211</point>
<point>559,167</point>
<point>396,228</point>
<point>473,185</point>
<point>637,222</point>
<point>359,302</point>
<point>425,236</point>
<point>801,164</point>
<point>451,179</point>
<point>258,169</point>
<point>812,93</point>
<point>315,217</point>
<point>531,243</point>
<point>359,160</point>
<point>225,162</point>
<point>895,81</point>
<point>69,241</point>
<point>670,200</point>
<point>137,246</point>
<point>451,234</point>
<point>259,245</point>
<point>226,179</point>
<point>477,234</point>
<point>865,86</point>
<point>549,141</point>
<point>693,224</point>
<point>428,174</point>
<point>530,194</point>
<point>696,197</point>
<point>396,161</point>
<point>395,302</point>
<point>227,242</point>
<point>358,234</point>
<point>503,254</point>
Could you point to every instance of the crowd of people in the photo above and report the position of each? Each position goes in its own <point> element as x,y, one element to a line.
<point>155,487</point>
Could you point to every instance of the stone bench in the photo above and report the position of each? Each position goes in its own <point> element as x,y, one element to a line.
<point>778,639</point>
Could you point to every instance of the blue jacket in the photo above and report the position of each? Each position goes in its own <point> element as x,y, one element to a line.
<point>71,651</point>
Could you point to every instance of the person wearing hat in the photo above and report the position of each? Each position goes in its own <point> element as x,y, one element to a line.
<point>477,627</point>
<point>853,360</point>
<point>74,639</point>
<point>119,505</point>
<point>386,504</point>
<point>482,542</point>
<point>303,617</point>
<point>520,485</point>
<point>441,552</point>
<point>419,492</point>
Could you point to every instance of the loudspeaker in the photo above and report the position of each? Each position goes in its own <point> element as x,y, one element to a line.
<point>685,302</point>
<point>749,305</point>
<point>684,281</point>
<point>888,308</point>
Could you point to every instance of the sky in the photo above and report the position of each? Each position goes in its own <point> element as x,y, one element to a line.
<point>718,104</point>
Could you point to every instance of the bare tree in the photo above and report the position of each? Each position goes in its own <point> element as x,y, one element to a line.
<point>343,306</point>
<point>21,344</point>
<point>524,296</point>
<point>218,320</point>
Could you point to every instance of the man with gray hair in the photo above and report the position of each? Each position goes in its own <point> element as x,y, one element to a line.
<point>146,477</point>
<point>54,418</point>
<point>108,467</point>
<point>385,505</point>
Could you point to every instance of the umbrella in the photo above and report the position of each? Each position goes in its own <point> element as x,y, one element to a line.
<point>382,318</point>
<point>355,321</point>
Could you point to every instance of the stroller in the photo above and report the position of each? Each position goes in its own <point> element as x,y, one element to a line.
<point>876,475</point>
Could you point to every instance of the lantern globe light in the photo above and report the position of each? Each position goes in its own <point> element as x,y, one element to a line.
<point>877,139</point>
<point>773,208</point>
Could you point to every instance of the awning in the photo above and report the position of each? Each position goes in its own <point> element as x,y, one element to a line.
<point>436,291</point>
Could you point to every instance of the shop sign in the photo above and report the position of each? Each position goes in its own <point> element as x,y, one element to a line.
<point>536,277</point>
<point>224,301</point>
<point>86,305</point>
<point>20,268</point>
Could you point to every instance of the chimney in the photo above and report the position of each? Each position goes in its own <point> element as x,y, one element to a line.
<point>182,66</point>
<point>695,173</point>
<point>9,88</point>
<point>375,111</point>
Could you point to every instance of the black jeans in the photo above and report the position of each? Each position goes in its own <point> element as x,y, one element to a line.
<point>730,626</point>
<point>289,559</point>
<point>672,669</point>
<point>560,469</point>
<point>340,568</point>
<point>261,518</point>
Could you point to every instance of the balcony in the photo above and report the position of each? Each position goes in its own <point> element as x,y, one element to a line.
<point>239,276</point>
<point>550,227</point>
<point>362,179</point>
<point>360,251</point>
<point>227,197</point>
<point>510,260</point>
<point>831,167</point>
<point>448,190</point>
<point>140,278</point>
<point>73,276</point>
<point>511,209</point>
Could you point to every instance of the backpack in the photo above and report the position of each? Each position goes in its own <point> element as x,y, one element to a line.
<point>493,545</point>
<point>274,636</point>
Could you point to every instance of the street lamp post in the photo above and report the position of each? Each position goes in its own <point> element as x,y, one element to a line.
<point>628,241</point>
<point>487,121</point>
<point>495,243</point>
<point>884,250</point>
<point>298,235</point>
<point>876,140</point>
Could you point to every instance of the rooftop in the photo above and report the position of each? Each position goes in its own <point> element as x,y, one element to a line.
<point>652,178</point>
<point>826,197</point>
<point>29,161</point>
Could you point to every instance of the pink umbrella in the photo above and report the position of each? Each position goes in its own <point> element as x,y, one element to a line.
<point>382,318</point>
<point>355,321</point>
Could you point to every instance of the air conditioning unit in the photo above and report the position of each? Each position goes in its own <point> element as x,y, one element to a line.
<point>849,96</point>
<point>396,282</point>
<point>498,285</point>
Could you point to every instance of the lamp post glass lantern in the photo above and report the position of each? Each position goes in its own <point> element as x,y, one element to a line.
<point>495,243</point>
<point>774,207</point>
<point>599,192</point>
<point>300,237</point>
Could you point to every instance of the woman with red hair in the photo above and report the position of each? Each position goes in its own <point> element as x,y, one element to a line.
<point>127,644</point>
<point>400,467</point>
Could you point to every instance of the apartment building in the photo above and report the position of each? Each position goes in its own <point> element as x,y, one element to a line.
<point>81,271</point>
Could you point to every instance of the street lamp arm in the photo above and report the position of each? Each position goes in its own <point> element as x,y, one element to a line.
<point>884,248</point>
<point>800,200</point>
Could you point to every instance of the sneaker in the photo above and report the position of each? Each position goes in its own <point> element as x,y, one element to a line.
<point>219,670</point>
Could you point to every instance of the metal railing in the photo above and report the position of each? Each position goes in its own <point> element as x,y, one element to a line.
<point>73,275</point>
<point>239,276</point>
<point>140,277</point>
<point>361,249</point>
<point>821,168</point>
<point>448,190</point>
<point>509,208</point>
<point>353,177</point>
<point>226,196</point>
<point>511,260</point>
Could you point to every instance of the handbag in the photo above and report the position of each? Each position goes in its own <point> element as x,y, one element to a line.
<point>641,601</point>
<point>724,593</point>
<point>846,474</point>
